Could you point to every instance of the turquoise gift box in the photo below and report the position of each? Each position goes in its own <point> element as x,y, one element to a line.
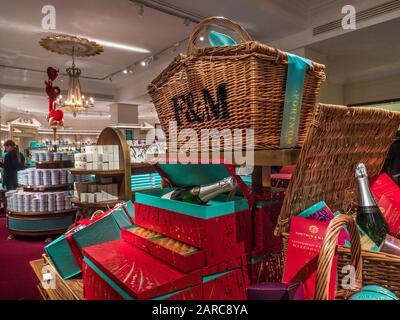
<point>66,251</point>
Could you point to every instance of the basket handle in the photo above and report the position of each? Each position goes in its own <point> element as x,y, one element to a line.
<point>328,250</point>
<point>220,21</point>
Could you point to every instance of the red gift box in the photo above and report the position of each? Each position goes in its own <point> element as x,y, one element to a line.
<point>387,193</point>
<point>222,238</point>
<point>133,273</point>
<point>268,268</point>
<point>185,263</point>
<point>304,245</point>
<point>229,285</point>
<point>223,266</point>
<point>96,288</point>
<point>265,218</point>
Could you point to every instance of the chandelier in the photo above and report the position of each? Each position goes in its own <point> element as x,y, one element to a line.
<point>75,101</point>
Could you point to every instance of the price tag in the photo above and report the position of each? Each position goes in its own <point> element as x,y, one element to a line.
<point>48,276</point>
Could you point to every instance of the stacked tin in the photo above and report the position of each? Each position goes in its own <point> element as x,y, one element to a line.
<point>52,156</point>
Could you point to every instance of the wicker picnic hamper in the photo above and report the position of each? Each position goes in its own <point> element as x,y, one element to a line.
<point>339,138</point>
<point>381,269</point>
<point>231,87</point>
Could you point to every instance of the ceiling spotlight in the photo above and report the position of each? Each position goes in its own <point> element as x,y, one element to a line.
<point>125,71</point>
<point>201,38</point>
<point>143,63</point>
<point>186,22</point>
<point>130,71</point>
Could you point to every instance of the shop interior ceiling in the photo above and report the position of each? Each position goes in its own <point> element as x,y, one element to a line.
<point>135,31</point>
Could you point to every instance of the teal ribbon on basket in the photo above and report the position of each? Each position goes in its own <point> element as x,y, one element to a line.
<point>297,67</point>
<point>217,39</point>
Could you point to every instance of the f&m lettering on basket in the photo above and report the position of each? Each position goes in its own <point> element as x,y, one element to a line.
<point>189,107</point>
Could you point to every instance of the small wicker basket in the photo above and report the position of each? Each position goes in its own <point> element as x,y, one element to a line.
<point>231,87</point>
<point>380,268</point>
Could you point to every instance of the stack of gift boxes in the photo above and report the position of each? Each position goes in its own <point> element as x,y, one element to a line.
<point>90,192</point>
<point>98,157</point>
<point>179,250</point>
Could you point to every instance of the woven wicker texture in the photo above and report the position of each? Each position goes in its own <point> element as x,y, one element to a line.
<point>327,253</point>
<point>339,138</point>
<point>249,79</point>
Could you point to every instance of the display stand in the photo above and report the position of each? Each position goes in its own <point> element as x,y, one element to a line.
<point>110,136</point>
<point>46,224</point>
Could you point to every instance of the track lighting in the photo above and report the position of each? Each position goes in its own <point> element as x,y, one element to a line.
<point>125,71</point>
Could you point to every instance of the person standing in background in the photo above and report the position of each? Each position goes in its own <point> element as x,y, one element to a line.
<point>13,161</point>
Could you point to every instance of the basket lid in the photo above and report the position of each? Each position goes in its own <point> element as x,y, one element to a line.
<point>193,174</point>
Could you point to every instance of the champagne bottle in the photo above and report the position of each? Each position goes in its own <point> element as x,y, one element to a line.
<point>203,194</point>
<point>369,217</point>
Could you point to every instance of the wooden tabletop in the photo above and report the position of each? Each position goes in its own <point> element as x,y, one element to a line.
<point>99,172</point>
<point>64,289</point>
<point>101,204</point>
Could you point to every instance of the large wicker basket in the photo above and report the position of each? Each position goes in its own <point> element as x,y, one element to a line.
<point>339,138</point>
<point>231,87</point>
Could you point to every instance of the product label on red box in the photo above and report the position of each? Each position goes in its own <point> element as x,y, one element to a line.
<point>384,185</point>
<point>305,241</point>
<point>387,194</point>
<point>390,207</point>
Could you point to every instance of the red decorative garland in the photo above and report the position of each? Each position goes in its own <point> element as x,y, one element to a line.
<point>55,117</point>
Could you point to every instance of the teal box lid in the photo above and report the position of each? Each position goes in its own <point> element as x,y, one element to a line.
<point>121,217</point>
<point>193,174</point>
<point>130,208</point>
<point>213,209</point>
<point>103,230</point>
<point>63,260</point>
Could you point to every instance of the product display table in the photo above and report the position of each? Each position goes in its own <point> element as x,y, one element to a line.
<point>42,223</point>
<point>62,289</point>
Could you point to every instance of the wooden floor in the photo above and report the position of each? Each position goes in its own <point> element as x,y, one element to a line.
<point>64,289</point>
